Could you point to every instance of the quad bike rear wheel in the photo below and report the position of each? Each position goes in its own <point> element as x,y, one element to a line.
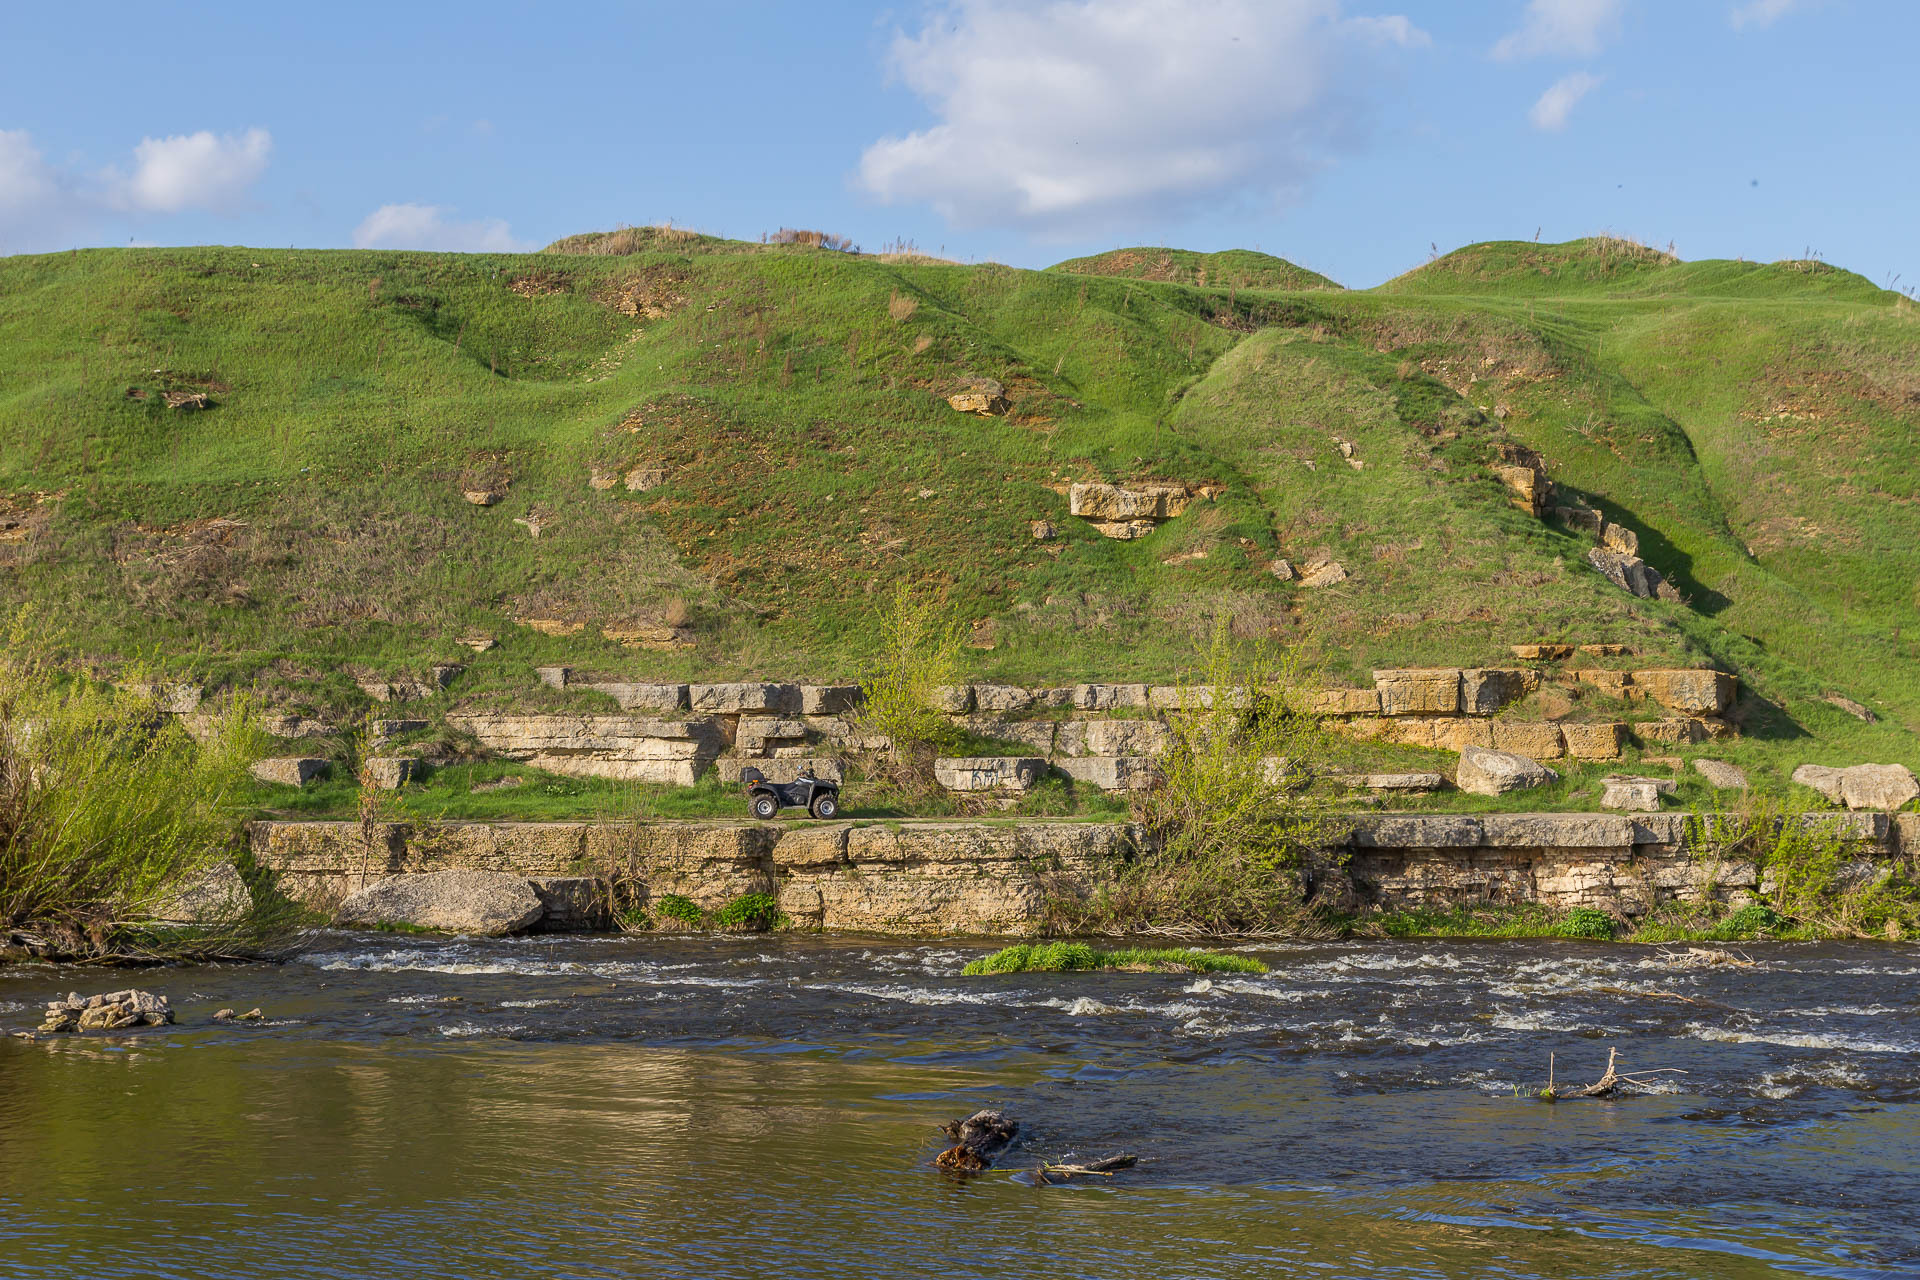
<point>764,806</point>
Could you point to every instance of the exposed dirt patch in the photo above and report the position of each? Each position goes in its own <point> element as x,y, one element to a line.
<point>645,295</point>
<point>542,282</point>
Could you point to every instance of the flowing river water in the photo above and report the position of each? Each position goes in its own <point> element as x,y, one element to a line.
<point>721,1107</point>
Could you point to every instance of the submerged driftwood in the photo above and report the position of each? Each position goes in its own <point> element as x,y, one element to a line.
<point>977,1140</point>
<point>1047,1174</point>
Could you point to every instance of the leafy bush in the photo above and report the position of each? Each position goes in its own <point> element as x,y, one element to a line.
<point>1073,957</point>
<point>1809,871</point>
<point>675,907</point>
<point>918,653</point>
<point>1586,922</point>
<point>1234,818</point>
<point>755,911</point>
<point>109,810</point>
<point>1754,919</point>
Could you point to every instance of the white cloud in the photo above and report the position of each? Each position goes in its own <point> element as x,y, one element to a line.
<point>1760,13</point>
<point>1566,28</point>
<point>1071,114</point>
<point>430,226</point>
<point>27,184</point>
<point>1558,102</point>
<point>192,171</point>
<point>43,207</point>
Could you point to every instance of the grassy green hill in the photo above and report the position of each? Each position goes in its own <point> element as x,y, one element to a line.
<point>1753,424</point>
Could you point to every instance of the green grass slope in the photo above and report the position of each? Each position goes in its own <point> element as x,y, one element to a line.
<point>1227,269</point>
<point>1753,424</point>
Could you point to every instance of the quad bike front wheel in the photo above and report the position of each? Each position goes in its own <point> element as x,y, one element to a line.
<point>764,806</point>
<point>826,806</point>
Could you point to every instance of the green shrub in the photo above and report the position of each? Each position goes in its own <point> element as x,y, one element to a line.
<point>1230,840</point>
<point>675,907</point>
<point>918,653</point>
<point>1754,919</point>
<point>1075,957</point>
<point>1804,858</point>
<point>1586,922</point>
<point>756,911</point>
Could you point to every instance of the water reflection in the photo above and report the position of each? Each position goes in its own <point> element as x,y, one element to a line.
<point>608,1107</point>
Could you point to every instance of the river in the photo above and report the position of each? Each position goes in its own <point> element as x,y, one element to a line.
<point>766,1106</point>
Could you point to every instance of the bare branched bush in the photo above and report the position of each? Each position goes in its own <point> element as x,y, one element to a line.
<point>812,239</point>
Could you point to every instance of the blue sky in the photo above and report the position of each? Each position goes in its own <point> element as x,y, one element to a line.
<point>1353,137</point>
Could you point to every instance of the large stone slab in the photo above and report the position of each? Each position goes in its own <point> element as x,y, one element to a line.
<point>1419,691</point>
<point>486,903</point>
<point>1638,795</point>
<point>1695,691</point>
<point>1110,773</point>
<point>1490,773</point>
<point>989,773</point>
<point>829,699</point>
<point>1484,690</point>
<point>744,699</point>
<point>290,771</point>
<point>1884,787</point>
<point>1111,738</point>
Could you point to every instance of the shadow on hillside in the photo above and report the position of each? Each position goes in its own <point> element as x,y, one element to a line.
<point>1675,565</point>
<point>1758,717</point>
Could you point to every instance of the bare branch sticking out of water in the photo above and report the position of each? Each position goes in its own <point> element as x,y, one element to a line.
<point>1605,1086</point>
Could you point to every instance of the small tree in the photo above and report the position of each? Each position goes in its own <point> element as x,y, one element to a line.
<point>1234,819</point>
<point>918,656</point>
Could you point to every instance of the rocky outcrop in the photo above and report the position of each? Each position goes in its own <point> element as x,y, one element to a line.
<point>1133,511</point>
<point>1491,773</point>
<point>1006,878</point>
<point>1631,574</point>
<point>484,903</point>
<point>1884,787</point>
<point>912,878</point>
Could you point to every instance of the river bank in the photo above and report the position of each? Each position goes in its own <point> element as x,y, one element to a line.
<point>751,1106</point>
<point>1008,877</point>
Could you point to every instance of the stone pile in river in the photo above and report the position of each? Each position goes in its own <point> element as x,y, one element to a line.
<point>108,1012</point>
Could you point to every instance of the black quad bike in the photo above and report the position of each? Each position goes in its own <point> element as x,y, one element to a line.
<point>767,799</point>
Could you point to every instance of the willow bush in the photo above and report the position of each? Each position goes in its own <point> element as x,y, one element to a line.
<point>109,810</point>
<point>1814,880</point>
<point>917,655</point>
<point>1236,825</point>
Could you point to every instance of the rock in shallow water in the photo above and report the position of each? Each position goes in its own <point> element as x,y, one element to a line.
<point>488,903</point>
<point>108,1012</point>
